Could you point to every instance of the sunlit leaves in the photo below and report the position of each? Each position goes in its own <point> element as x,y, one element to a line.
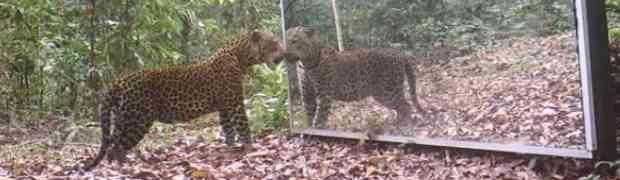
<point>613,6</point>
<point>268,106</point>
<point>220,2</point>
<point>613,14</point>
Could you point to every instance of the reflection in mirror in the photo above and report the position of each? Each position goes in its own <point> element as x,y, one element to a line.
<point>485,71</point>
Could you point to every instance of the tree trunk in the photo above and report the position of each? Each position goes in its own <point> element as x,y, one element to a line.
<point>93,76</point>
<point>185,33</point>
<point>237,18</point>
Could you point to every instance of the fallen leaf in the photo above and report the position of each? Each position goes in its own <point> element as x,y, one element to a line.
<point>146,175</point>
<point>198,171</point>
<point>549,112</point>
<point>258,153</point>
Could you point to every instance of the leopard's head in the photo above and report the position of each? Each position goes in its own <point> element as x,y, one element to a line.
<point>263,47</point>
<point>303,45</point>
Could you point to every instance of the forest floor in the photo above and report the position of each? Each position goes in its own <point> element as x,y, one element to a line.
<point>49,149</point>
<point>189,153</point>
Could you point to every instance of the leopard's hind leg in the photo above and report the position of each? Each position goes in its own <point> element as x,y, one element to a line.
<point>309,97</point>
<point>397,101</point>
<point>127,134</point>
<point>227,127</point>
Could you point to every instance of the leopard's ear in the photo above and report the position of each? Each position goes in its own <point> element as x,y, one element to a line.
<point>309,31</point>
<point>258,26</point>
<point>255,35</point>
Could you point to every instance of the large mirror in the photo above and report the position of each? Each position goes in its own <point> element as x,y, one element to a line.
<point>500,72</point>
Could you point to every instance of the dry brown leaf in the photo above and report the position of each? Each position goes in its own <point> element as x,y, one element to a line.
<point>259,154</point>
<point>370,170</point>
<point>145,174</point>
<point>377,159</point>
<point>199,173</point>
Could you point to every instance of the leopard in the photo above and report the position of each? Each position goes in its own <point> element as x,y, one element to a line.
<point>133,102</point>
<point>349,75</point>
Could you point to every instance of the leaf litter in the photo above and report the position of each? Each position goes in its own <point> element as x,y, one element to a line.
<point>276,156</point>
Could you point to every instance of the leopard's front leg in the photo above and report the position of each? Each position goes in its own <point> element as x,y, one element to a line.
<point>232,112</point>
<point>227,127</point>
<point>323,110</point>
<point>309,98</point>
<point>235,122</point>
<point>241,125</point>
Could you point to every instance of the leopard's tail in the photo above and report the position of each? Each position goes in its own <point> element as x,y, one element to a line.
<point>105,111</point>
<point>410,72</point>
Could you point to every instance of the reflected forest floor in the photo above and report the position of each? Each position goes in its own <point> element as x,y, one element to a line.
<point>524,90</point>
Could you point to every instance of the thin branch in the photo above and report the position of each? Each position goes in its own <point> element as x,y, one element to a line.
<point>337,22</point>
<point>76,82</point>
<point>81,144</point>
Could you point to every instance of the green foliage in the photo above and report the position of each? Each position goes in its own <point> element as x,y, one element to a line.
<point>417,25</point>
<point>603,165</point>
<point>268,102</point>
<point>33,31</point>
<point>45,50</point>
<point>591,177</point>
<point>612,6</point>
<point>315,14</point>
<point>613,16</point>
<point>614,33</point>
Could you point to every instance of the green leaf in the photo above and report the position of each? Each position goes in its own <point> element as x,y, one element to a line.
<point>600,163</point>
